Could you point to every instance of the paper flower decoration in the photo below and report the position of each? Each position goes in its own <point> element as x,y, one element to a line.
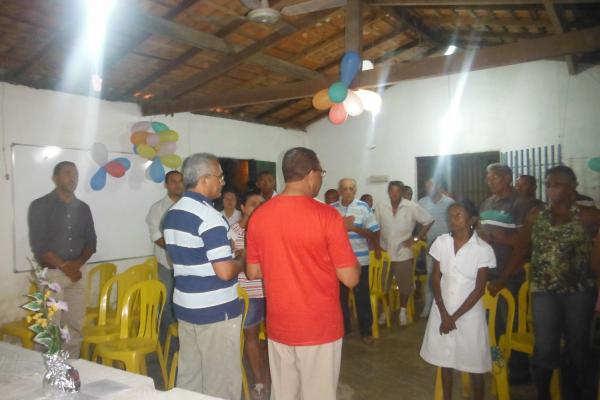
<point>115,168</point>
<point>154,141</point>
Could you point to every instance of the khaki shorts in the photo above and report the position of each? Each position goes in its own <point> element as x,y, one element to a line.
<point>403,271</point>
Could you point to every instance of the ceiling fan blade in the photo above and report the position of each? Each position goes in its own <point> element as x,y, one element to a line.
<point>251,4</point>
<point>311,6</point>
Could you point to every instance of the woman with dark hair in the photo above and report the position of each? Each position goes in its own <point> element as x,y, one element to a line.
<point>564,259</point>
<point>456,336</point>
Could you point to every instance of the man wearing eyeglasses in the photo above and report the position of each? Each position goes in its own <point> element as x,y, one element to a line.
<point>205,297</point>
<point>299,246</point>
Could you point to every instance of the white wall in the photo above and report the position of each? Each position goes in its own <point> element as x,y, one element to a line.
<point>42,117</point>
<point>501,109</point>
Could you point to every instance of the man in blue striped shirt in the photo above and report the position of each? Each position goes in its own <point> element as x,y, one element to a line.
<point>205,296</point>
<point>362,227</point>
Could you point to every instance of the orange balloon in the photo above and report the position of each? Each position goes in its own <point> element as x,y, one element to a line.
<point>338,114</point>
<point>139,137</point>
<point>321,100</point>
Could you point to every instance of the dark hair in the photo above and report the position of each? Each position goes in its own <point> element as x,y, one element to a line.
<point>263,173</point>
<point>564,171</point>
<point>331,191</point>
<point>529,178</point>
<point>407,188</point>
<point>244,198</point>
<point>397,184</point>
<point>171,173</point>
<point>364,196</point>
<point>62,165</point>
<point>229,190</point>
<point>466,205</point>
<point>298,162</point>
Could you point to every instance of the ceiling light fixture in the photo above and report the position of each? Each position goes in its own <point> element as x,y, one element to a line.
<point>450,50</point>
<point>367,65</point>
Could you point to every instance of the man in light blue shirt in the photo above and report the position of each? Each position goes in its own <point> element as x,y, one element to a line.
<point>362,227</point>
<point>436,203</point>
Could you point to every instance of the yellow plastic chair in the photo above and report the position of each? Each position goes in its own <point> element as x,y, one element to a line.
<point>352,303</point>
<point>379,274</point>
<point>102,273</point>
<point>522,339</point>
<point>243,295</point>
<point>417,248</point>
<point>108,323</point>
<point>172,332</point>
<point>262,334</point>
<point>131,349</point>
<point>20,328</point>
<point>499,368</point>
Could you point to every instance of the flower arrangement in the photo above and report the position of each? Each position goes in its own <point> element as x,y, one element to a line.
<point>42,308</point>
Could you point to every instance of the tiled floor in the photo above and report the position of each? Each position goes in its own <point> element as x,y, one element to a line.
<point>391,368</point>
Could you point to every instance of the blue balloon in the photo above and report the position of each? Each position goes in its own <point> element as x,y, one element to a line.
<point>594,164</point>
<point>157,171</point>
<point>124,162</point>
<point>349,67</point>
<point>98,181</point>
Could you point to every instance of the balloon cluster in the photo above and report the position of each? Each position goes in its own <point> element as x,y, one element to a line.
<point>115,168</point>
<point>154,141</point>
<point>594,164</point>
<point>342,101</point>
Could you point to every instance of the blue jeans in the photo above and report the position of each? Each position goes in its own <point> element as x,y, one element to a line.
<point>165,275</point>
<point>567,316</point>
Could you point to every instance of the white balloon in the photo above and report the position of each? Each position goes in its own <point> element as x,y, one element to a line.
<point>353,104</point>
<point>99,153</point>
<point>371,100</point>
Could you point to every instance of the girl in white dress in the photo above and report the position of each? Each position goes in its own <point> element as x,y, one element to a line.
<point>456,336</point>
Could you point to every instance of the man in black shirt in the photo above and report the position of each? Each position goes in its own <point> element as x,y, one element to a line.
<point>62,239</point>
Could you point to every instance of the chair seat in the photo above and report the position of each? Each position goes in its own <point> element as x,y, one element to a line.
<point>19,329</point>
<point>116,349</point>
<point>522,342</point>
<point>98,334</point>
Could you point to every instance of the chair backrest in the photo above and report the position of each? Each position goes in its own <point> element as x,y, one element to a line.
<point>379,272</point>
<point>102,273</point>
<point>119,283</point>
<point>490,303</point>
<point>144,303</point>
<point>524,323</point>
<point>418,247</point>
<point>243,295</point>
<point>148,270</point>
<point>527,269</point>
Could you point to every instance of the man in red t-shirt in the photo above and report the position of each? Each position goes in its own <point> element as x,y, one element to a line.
<point>300,248</point>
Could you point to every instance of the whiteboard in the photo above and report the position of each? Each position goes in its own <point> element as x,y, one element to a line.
<point>119,209</point>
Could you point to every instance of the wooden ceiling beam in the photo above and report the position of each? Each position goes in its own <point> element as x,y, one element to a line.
<point>445,3</point>
<point>407,21</point>
<point>192,37</point>
<point>456,20</point>
<point>581,41</point>
<point>237,117</point>
<point>227,63</point>
<point>559,28</point>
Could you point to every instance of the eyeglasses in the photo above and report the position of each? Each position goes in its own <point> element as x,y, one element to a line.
<point>321,171</point>
<point>221,177</point>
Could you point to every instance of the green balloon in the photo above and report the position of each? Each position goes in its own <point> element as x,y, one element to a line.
<point>338,92</point>
<point>594,164</point>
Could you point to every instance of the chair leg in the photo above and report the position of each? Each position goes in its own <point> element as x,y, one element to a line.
<point>438,391</point>
<point>387,312</point>
<point>555,385</point>
<point>502,389</point>
<point>375,325</point>
<point>466,385</point>
<point>173,371</point>
<point>161,363</point>
<point>245,386</point>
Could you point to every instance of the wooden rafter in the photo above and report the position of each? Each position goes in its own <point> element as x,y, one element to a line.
<point>413,3</point>
<point>581,41</point>
<point>222,66</point>
<point>481,21</point>
<point>559,28</point>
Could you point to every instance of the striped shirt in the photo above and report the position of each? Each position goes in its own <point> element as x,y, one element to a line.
<point>254,287</point>
<point>197,236</point>
<point>363,218</point>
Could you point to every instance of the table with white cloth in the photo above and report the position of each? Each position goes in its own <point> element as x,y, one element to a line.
<point>21,373</point>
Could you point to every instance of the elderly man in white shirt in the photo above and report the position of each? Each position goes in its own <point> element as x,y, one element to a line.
<point>154,220</point>
<point>397,219</point>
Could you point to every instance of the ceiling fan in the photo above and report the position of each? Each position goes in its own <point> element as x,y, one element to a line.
<point>262,13</point>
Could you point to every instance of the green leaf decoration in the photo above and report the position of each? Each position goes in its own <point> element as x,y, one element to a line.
<point>34,306</point>
<point>37,328</point>
<point>46,342</point>
<point>37,296</point>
